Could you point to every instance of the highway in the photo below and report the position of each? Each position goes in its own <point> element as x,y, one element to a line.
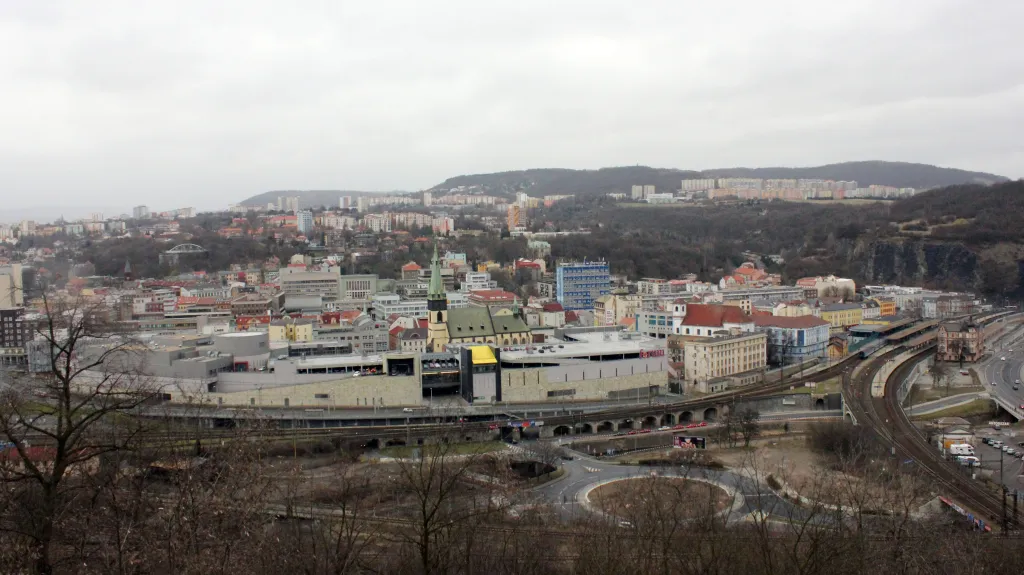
<point>1000,375</point>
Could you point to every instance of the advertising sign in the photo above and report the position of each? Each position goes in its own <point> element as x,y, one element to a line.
<point>689,442</point>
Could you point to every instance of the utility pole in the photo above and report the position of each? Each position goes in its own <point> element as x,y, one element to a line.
<point>1005,523</point>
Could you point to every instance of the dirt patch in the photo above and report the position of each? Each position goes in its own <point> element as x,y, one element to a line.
<point>793,466</point>
<point>647,497</point>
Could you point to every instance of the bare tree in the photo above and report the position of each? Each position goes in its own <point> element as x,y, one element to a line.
<point>749,427</point>
<point>445,509</point>
<point>939,372</point>
<point>62,422</point>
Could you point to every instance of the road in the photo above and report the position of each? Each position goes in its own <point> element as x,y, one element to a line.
<point>582,473</point>
<point>1001,371</point>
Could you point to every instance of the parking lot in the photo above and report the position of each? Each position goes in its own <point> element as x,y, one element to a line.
<point>991,457</point>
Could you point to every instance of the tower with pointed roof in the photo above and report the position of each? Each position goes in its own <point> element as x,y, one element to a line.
<point>437,307</point>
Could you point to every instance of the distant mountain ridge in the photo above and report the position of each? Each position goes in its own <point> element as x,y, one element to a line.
<point>552,181</point>
<point>540,182</point>
<point>309,198</point>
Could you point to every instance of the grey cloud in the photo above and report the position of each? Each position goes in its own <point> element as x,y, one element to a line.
<point>208,103</point>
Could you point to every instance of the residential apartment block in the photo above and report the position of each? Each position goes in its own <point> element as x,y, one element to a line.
<point>842,315</point>
<point>794,339</point>
<point>579,284</point>
<point>709,361</point>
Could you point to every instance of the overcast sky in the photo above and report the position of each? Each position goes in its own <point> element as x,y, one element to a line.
<point>205,103</point>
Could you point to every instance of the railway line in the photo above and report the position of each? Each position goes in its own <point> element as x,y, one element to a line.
<point>890,423</point>
<point>421,429</point>
<point>842,368</point>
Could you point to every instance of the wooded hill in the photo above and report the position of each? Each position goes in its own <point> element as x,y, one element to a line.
<point>557,181</point>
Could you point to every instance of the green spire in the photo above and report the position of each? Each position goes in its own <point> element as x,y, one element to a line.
<point>436,290</point>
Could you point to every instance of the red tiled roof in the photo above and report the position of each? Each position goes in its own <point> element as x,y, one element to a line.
<point>799,322</point>
<point>411,266</point>
<point>807,282</point>
<point>552,307</point>
<point>396,330</point>
<point>710,315</point>
<point>571,316</point>
<point>492,294</point>
<point>422,323</point>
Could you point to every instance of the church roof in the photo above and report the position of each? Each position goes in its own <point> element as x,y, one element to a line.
<point>478,322</point>
<point>469,322</point>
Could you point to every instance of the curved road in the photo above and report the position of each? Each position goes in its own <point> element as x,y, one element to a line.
<point>583,472</point>
<point>1002,374</point>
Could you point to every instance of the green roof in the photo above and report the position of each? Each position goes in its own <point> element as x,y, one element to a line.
<point>469,322</point>
<point>477,322</point>
<point>509,324</point>
<point>436,290</point>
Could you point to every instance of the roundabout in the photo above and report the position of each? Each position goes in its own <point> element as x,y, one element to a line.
<point>639,497</point>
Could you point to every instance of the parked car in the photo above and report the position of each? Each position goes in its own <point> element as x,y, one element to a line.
<point>679,426</point>
<point>645,431</point>
<point>664,428</point>
<point>1002,358</point>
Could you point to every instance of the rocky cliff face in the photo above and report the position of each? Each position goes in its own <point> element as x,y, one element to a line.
<point>913,262</point>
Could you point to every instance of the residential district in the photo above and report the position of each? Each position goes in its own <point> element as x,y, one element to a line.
<point>304,333</point>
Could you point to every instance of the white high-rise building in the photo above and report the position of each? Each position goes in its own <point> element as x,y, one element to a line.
<point>27,228</point>
<point>140,212</point>
<point>345,202</point>
<point>304,221</point>
<point>292,204</point>
<point>362,202</point>
<point>637,193</point>
<point>648,190</point>
<point>428,199</point>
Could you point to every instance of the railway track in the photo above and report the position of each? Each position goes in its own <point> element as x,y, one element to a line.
<point>890,423</point>
<point>397,431</point>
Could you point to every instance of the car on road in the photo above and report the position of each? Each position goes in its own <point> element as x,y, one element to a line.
<point>1005,448</point>
<point>679,426</point>
<point>632,432</point>
<point>1002,358</point>
<point>664,428</point>
<point>1011,451</point>
<point>997,444</point>
<point>645,431</point>
<point>1016,386</point>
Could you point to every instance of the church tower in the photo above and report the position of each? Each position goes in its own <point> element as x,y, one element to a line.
<point>437,308</point>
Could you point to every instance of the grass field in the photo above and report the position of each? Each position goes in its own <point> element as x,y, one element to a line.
<point>976,407</point>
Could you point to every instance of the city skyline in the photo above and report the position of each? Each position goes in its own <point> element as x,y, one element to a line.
<point>193,105</point>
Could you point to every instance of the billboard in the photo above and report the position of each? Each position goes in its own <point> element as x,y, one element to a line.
<point>689,442</point>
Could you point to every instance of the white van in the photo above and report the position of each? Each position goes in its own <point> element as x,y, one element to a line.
<point>961,449</point>
<point>968,460</point>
